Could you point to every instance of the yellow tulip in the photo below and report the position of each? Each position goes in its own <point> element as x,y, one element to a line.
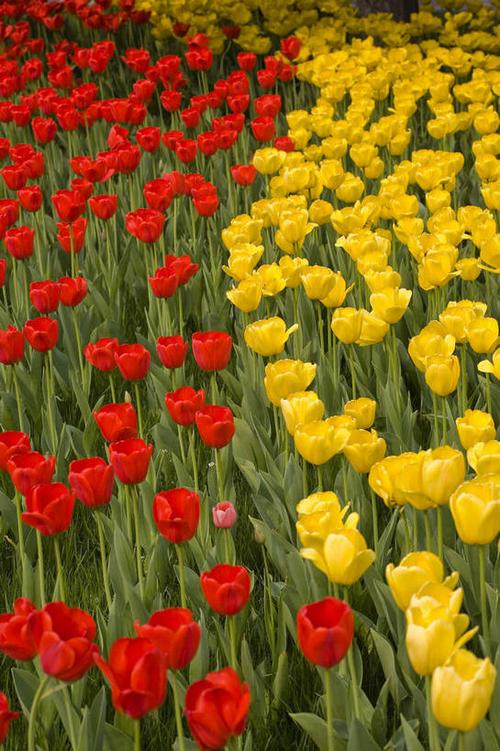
<point>436,268</point>
<point>285,377</point>
<point>270,277</point>
<point>468,268</point>
<point>320,212</point>
<point>268,336</point>
<point>458,315</point>
<point>390,304</point>
<point>475,507</point>
<point>351,189</point>
<point>319,440</point>
<point>332,173</point>
<point>363,449</point>
<point>493,368</point>
<point>413,572</point>
<point>243,258</point>
<point>318,281</point>
<point>490,252</point>
<point>373,329</point>
<point>380,280</point>
<point>291,270</point>
<point>268,160</point>
<point>382,478</point>
<point>461,691</point>
<point>442,373</point>
<point>362,410</point>
<point>346,324</point>
<point>326,517</point>
<point>475,427</point>
<point>247,295</point>
<point>437,199</point>
<point>484,458</point>
<point>343,556</point>
<point>375,169</point>
<point>338,293</point>
<point>301,407</point>
<point>482,334</point>
<point>320,501</point>
<point>432,340</point>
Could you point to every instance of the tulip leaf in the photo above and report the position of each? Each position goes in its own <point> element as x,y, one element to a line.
<point>411,739</point>
<point>116,740</point>
<point>360,738</point>
<point>26,685</point>
<point>387,659</point>
<point>314,726</point>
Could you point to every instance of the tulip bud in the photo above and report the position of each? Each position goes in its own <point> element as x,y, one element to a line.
<point>224,515</point>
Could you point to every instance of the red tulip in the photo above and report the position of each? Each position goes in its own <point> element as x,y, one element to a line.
<point>183,267</point>
<point>49,507</point>
<point>224,515</point>
<point>145,224</point>
<point>290,47</point>
<point>30,468</point>
<point>190,117</point>
<point>266,78</point>
<point>92,481</point>
<point>231,31</point>
<point>15,176</point>
<point>211,349</point>
<point>148,138</point>
<point>171,350</point>
<point>41,333</point>
<point>66,649</point>
<point>244,174</point>
<point>215,425</point>
<point>117,422</point>
<point>130,459</point>
<point>268,105</point>
<point>284,143</point>
<point>9,209</point>
<point>207,143</point>
<point>205,200</point>
<point>263,128</point>
<point>325,631</point>
<point>171,138</point>
<point>12,442</point>
<point>69,204</point>
<point>199,58</point>
<point>132,361</point>
<point>180,29</point>
<point>82,186</point>
<point>186,150</point>
<point>176,513</point>
<point>136,672</point>
<point>6,716</point>
<point>137,60</point>
<point>44,129</point>
<point>45,296</point>
<point>101,354</point>
<point>73,290</point>
<point>19,242</point>
<point>164,283</point>
<point>174,633</point>
<point>216,708</point>
<point>30,198</point>
<point>11,345</point>
<point>72,236</point>
<point>184,403</point>
<point>171,100</point>
<point>21,630</point>
<point>158,194</point>
<point>103,206</point>
<point>226,588</point>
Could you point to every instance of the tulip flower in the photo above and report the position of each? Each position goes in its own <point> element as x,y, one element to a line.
<point>45,296</point>
<point>269,336</point>
<point>136,672</point>
<point>285,377</point>
<point>41,333</point>
<point>19,242</point>
<point>325,630</point>
<point>21,630</point>
<point>363,449</point>
<point>66,646</point>
<point>133,361</point>
<point>49,508</point>
<point>462,690</point>
<point>30,468</point>
<point>176,513</point>
<point>174,633</point>
<point>72,290</point>
<point>362,410</point>
<point>11,345</point>
<point>12,442</point>
<point>145,224</point>
<point>216,708</point>
<point>130,459</point>
<point>343,556</point>
<point>171,351</point>
<point>318,441</point>
<point>475,427</point>
<point>215,425</point>
<point>413,572</point>
<point>226,588</point>
<point>301,408</point>
<point>116,422</point>
<point>184,403</point>
<point>224,515</point>
<point>6,716</point>
<point>92,481</point>
<point>211,349</point>
<point>484,458</point>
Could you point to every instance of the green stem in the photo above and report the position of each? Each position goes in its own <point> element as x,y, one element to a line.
<point>354,682</point>
<point>139,408</point>
<point>374,518</point>
<point>104,563</point>
<point>435,436</point>
<point>434,744</point>
<point>428,536</point>
<point>41,567</point>
<point>192,451</point>
<point>112,387</point>
<point>220,474</point>
<point>69,715</point>
<point>319,469</point>
<point>488,393</point>
<point>177,710</point>
<point>463,374</point>
<point>353,370</point>
<point>182,583</point>
<point>439,514</point>
<point>461,741</point>
<point>20,534</point>
<point>445,419</point>
<point>233,641</point>
<point>140,576</point>
<point>18,398</point>
<point>213,388</point>
<point>137,735</point>
<point>50,399</point>
<point>329,709</point>
<point>78,344</point>
<point>60,576</point>
<point>226,534</point>
<point>181,444</point>
<point>482,590</point>
<point>32,726</point>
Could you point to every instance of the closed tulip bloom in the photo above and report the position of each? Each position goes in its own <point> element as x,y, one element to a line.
<point>226,588</point>
<point>224,515</point>
<point>321,501</point>
<point>130,460</point>
<point>103,206</point>
<point>318,441</point>
<point>413,572</point>
<point>136,672</point>
<point>433,632</point>
<point>211,349</point>
<point>482,334</point>
<point>462,690</point>
<point>362,411</point>
<point>484,458</point>
<point>363,449</point>
<point>174,633</point>
<point>475,508</point>
<point>71,236</point>
<point>164,283</point>
<point>30,198</point>
<point>12,442</point>
<point>69,204</point>
<point>133,361</point>
<point>338,292</point>
<point>116,421</point>
<point>21,630</point>
<point>176,513</point>
<point>49,508</point>
<point>6,716</point>
<point>285,377</point>
<point>30,468</point>
<point>72,290</point>
<point>216,708</point>
<point>19,242</point>
<point>101,354</point>
<point>325,630</point>
<point>268,336</point>
<point>171,351</point>
<point>442,373</point>
<point>246,296</point>
<point>215,425</point>
<point>343,556</point>
<point>41,333</point>
<point>11,345</point>
<point>145,224</point>
<point>432,341</point>
<point>390,304</point>
<point>92,481</point>
<point>66,648</point>
<point>346,324</point>
<point>322,519</point>
<point>443,469</point>
<point>45,296</point>
<point>301,408</point>
<point>184,403</point>
<point>318,281</point>
<point>373,329</point>
<point>475,427</point>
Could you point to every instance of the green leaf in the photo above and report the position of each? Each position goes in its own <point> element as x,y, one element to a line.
<point>360,738</point>
<point>314,726</point>
<point>26,685</point>
<point>115,740</point>
<point>411,739</point>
